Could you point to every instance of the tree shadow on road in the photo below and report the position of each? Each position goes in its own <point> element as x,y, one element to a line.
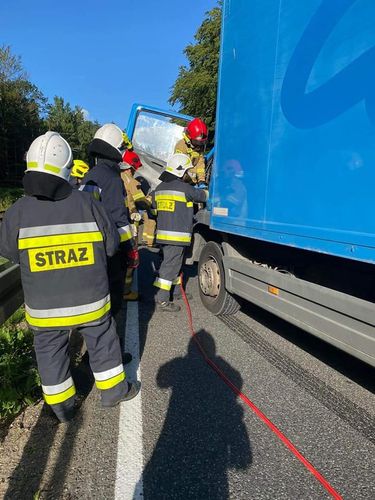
<point>28,477</point>
<point>203,435</point>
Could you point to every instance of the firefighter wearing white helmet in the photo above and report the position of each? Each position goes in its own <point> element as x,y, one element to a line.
<point>105,156</point>
<point>61,238</point>
<point>173,202</point>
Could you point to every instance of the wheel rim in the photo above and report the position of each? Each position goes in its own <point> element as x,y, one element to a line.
<point>210,278</point>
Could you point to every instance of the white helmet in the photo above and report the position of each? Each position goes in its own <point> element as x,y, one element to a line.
<point>178,163</point>
<point>111,134</point>
<point>51,154</point>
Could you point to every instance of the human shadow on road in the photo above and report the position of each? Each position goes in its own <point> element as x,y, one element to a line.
<point>150,261</point>
<point>28,478</point>
<point>203,435</point>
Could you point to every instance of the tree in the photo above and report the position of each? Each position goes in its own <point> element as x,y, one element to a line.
<point>195,89</point>
<point>25,114</point>
<point>72,125</point>
<point>21,106</point>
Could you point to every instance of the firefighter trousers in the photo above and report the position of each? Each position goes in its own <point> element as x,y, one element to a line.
<point>52,354</point>
<point>149,226</point>
<point>169,272</point>
<point>117,266</point>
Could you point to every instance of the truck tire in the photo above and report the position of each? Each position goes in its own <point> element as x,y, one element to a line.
<point>211,278</point>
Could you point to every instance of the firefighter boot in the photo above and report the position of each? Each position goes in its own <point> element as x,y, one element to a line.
<point>133,390</point>
<point>167,306</point>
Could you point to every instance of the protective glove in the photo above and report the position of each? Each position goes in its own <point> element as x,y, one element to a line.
<point>201,185</point>
<point>132,258</point>
<point>135,217</point>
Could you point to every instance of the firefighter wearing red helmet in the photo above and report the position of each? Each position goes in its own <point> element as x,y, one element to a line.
<point>131,158</point>
<point>193,144</point>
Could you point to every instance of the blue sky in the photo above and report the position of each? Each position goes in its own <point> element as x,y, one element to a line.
<point>102,55</point>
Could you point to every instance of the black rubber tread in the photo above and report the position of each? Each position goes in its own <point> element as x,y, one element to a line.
<point>225,304</point>
<point>358,418</point>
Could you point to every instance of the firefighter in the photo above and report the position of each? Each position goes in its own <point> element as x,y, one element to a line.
<point>149,227</point>
<point>135,200</point>
<point>61,238</point>
<point>173,200</point>
<point>193,144</point>
<point>104,181</point>
<point>79,170</point>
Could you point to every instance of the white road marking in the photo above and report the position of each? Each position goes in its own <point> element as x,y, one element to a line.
<point>129,482</point>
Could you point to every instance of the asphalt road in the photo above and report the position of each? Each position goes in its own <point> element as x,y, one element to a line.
<point>201,441</point>
<point>195,437</point>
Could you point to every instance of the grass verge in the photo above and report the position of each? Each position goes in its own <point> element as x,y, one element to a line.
<point>19,378</point>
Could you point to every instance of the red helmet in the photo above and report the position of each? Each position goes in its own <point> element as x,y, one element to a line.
<point>197,131</point>
<point>131,159</point>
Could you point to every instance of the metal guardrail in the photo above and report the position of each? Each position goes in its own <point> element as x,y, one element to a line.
<point>11,294</point>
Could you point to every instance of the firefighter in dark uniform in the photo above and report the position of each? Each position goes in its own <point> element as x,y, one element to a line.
<point>61,238</point>
<point>173,201</point>
<point>104,181</point>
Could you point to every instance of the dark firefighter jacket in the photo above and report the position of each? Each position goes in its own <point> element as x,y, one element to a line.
<point>62,246</point>
<point>105,183</point>
<point>173,200</point>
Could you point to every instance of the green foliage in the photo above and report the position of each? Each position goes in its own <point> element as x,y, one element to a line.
<point>71,124</point>
<point>19,378</point>
<point>25,114</point>
<point>8,196</point>
<point>196,86</point>
<point>21,106</point>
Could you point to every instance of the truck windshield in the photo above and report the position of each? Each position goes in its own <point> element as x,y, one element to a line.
<point>156,134</point>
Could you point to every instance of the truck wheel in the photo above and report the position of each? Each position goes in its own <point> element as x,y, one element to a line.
<point>211,276</point>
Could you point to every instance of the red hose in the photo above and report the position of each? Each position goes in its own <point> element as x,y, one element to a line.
<point>255,409</point>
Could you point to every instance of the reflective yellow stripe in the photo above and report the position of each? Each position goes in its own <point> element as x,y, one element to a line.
<point>52,168</point>
<point>170,197</point>
<point>49,168</point>
<point>169,237</point>
<point>59,239</point>
<point>111,382</point>
<point>125,237</point>
<point>177,281</point>
<point>54,399</point>
<point>189,204</point>
<point>125,233</point>
<point>163,284</point>
<point>69,320</point>
<point>138,196</point>
<point>193,154</point>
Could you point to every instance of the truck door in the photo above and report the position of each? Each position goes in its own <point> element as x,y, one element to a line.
<point>154,134</point>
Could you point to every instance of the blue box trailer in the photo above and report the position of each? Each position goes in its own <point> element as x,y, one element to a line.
<point>295,137</point>
<point>290,225</point>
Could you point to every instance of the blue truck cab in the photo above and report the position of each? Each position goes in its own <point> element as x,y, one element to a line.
<point>291,225</point>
